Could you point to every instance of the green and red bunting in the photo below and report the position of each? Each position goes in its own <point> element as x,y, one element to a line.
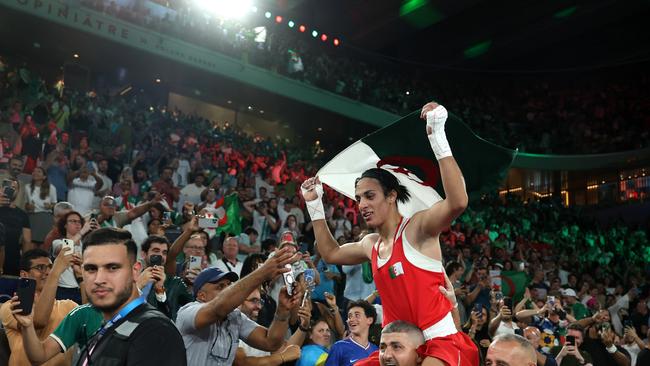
<point>403,149</point>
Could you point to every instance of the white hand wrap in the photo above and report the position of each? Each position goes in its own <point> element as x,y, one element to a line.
<point>315,207</point>
<point>438,139</point>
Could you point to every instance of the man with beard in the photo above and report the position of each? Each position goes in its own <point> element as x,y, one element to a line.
<point>133,332</point>
<point>405,252</point>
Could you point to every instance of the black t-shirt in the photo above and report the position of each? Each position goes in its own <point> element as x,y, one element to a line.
<point>14,220</point>
<point>115,167</point>
<point>599,355</point>
<point>155,341</point>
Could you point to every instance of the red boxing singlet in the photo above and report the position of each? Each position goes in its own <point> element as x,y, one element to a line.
<point>408,284</point>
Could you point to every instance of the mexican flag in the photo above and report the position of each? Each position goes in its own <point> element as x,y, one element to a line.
<point>403,149</point>
<point>229,218</point>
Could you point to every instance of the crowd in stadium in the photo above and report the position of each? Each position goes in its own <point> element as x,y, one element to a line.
<point>587,112</point>
<point>75,164</point>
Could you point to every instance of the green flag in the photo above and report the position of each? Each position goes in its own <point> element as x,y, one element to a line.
<point>231,222</point>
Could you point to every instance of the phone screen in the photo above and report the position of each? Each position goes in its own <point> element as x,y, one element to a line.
<point>571,340</point>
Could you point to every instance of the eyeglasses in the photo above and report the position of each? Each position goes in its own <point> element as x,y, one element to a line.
<point>255,301</point>
<point>222,345</point>
<point>42,267</point>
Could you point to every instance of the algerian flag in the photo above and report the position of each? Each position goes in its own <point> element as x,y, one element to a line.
<point>513,284</point>
<point>403,149</point>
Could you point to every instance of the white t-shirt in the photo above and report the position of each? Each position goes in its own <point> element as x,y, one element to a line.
<point>226,266</point>
<point>81,194</point>
<point>505,329</point>
<point>35,198</point>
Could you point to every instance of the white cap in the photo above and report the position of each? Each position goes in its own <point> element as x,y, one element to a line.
<point>569,292</point>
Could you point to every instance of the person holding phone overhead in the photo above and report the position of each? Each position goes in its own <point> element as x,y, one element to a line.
<point>35,306</point>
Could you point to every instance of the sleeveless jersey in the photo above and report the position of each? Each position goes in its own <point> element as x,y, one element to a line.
<point>408,283</point>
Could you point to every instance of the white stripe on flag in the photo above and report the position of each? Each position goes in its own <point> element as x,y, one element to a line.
<point>341,172</point>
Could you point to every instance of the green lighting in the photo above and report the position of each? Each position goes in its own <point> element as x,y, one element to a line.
<point>565,13</point>
<point>420,13</point>
<point>477,49</point>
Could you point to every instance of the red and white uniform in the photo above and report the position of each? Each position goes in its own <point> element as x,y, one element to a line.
<point>408,284</point>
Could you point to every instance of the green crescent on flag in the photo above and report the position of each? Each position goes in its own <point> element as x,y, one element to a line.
<point>403,149</point>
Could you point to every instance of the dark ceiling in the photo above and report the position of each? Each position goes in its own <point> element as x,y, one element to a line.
<point>515,35</point>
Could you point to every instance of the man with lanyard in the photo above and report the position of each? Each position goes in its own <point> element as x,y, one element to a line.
<point>133,332</point>
<point>405,252</point>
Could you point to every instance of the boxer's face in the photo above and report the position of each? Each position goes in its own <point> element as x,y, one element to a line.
<point>373,204</point>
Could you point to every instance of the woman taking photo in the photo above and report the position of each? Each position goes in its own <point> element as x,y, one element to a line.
<point>72,226</point>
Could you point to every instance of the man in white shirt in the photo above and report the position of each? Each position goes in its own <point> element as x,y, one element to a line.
<point>229,262</point>
<point>192,192</point>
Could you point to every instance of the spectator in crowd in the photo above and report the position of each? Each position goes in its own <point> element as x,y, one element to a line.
<point>248,243</point>
<point>263,222</point>
<point>211,325</point>
<point>41,195</point>
<point>18,233</point>
<point>316,349</point>
<point>13,174</point>
<point>107,183</point>
<point>510,350</point>
<point>361,315</point>
<point>634,345</point>
<point>503,322</point>
<point>574,307</point>
<point>358,282</point>
<point>60,209</point>
<point>46,312</point>
<point>571,353</point>
<point>135,331</point>
<point>72,227</point>
<point>84,184</point>
<point>398,346</point>
<point>169,292</point>
<point>599,340</point>
<point>229,261</point>
<point>192,192</point>
<point>166,187</point>
<point>533,335</point>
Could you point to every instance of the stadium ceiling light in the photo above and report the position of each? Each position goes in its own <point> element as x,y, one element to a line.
<point>314,34</point>
<point>323,37</point>
<point>291,24</point>
<point>336,42</point>
<point>76,55</point>
<point>226,9</point>
<point>158,81</point>
<point>302,28</point>
<point>254,9</point>
<point>278,19</point>
<point>268,15</point>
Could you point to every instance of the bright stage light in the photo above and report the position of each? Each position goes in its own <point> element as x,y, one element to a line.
<point>314,34</point>
<point>226,9</point>
<point>267,15</point>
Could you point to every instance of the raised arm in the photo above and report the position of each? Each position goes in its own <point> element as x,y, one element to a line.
<point>233,296</point>
<point>328,247</point>
<point>432,221</point>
